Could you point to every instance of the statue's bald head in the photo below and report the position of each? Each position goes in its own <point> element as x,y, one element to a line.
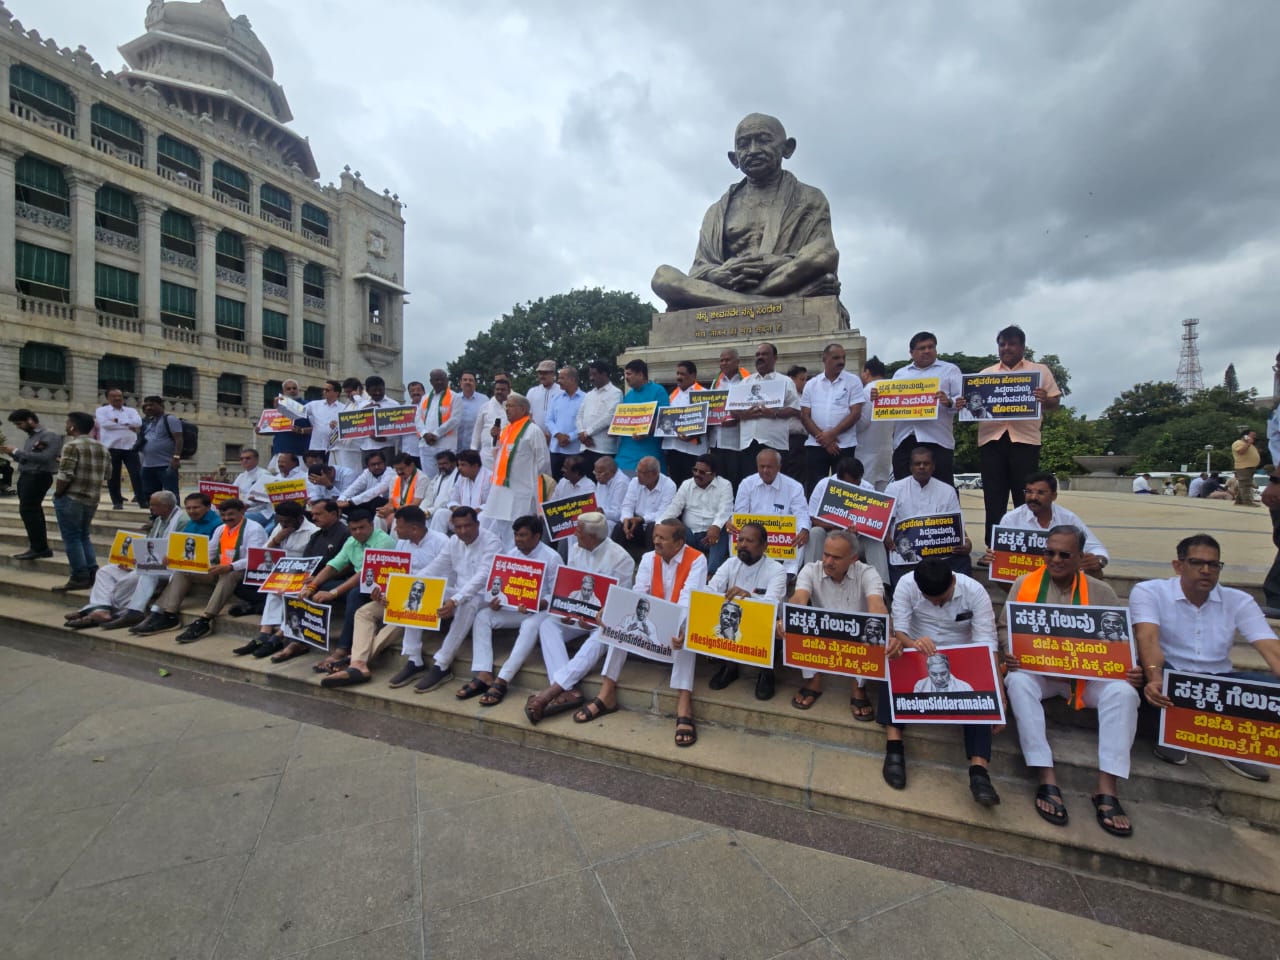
<point>755,121</point>
<point>760,144</point>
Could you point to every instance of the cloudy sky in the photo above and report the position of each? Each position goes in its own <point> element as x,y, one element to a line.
<point>1093,171</point>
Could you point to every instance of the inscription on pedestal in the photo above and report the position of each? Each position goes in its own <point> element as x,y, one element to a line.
<point>747,323</point>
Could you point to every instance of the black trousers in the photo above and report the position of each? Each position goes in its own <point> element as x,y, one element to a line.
<point>1271,586</point>
<point>944,459</point>
<point>680,465</point>
<point>130,460</point>
<point>32,488</point>
<point>818,465</point>
<point>1005,468</point>
<point>638,544</point>
<point>728,465</point>
<point>977,736</point>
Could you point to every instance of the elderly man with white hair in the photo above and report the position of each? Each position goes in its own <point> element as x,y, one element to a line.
<point>521,460</point>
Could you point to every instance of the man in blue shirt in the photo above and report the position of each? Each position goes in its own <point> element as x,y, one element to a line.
<point>161,448</point>
<point>631,450</point>
<point>562,420</point>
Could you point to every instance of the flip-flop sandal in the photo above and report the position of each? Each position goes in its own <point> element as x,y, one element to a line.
<point>594,710</point>
<point>329,666</point>
<point>798,701</point>
<point>288,653</point>
<point>347,678</point>
<point>495,694</point>
<point>534,709</point>
<point>1051,795</point>
<point>863,711</point>
<point>473,688</point>
<point>686,732</point>
<point>1107,807</point>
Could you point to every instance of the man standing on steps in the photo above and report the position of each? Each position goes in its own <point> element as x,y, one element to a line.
<point>161,447</point>
<point>118,427</point>
<point>36,462</point>
<point>1062,581</point>
<point>77,487</point>
<point>1246,459</point>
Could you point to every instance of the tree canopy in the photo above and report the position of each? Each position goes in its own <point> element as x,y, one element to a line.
<point>571,328</point>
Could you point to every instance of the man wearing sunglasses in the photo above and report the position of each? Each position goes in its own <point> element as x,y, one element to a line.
<point>1189,622</point>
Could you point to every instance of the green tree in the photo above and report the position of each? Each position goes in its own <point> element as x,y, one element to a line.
<point>571,328</point>
<point>1143,405</point>
<point>1182,439</point>
<point>1230,381</point>
<point>1065,435</point>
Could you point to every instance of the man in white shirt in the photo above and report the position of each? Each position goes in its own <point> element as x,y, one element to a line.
<point>830,410</point>
<point>436,420</point>
<point>346,452</point>
<point>488,425</point>
<point>611,489</point>
<point>769,491</point>
<point>1040,511</point>
<point>596,413</point>
<point>541,394</point>
<point>118,427</point>
<point>322,484</point>
<point>704,504</point>
<point>1142,483</point>
<point>753,576</point>
<point>762,427</point>
<point>649,493</point>
<point>725,439</point>
<point>519,465</point>
<point>322,417</point>
<point>574,480</point>
<point>679,453</point>
<point>593,551</point>
<point>938,435</point>
<point>922,495</point>
<point>440,489</point>
<point>249,482</point>
<point>375,389</point>
<point>1189,623</point>
<point>471,489</point>
<point>470,403</point>
<point>527,537</point>
<point>934,609</point>
<point>369,490</point>
<point>875,437</point>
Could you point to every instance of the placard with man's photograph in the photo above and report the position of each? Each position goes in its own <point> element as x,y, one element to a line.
<point>740,630</point>
<point>1000,396</point>
<point>640,624</point>
<point>580,594</point>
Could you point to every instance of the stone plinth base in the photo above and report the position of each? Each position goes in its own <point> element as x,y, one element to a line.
<point>798,327</point>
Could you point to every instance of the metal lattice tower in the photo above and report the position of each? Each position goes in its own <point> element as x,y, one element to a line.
<point>1190,379</point>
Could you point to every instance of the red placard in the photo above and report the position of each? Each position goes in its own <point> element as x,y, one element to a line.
<point>517,580</point>
<point>380,564</point>
<point>962,687</point>
<point>274,421</point>
<point>580,594</point>
<point>848,506</point>
<point>260,561</point>
<point>219,492</point>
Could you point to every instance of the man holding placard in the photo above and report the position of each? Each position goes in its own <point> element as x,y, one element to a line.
<point>769,491</point>
<point>640,389</point>
<point>1188,623</point>
<point>922,494</point>
<point>750,575</point>
<point>680,452</point>
<point>1061,582</point>
<point>1040,511</point>
<point>936,433</point>
<point>763,425</point>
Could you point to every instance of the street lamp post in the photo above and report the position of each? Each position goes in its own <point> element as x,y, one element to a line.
<point>1208,453</point>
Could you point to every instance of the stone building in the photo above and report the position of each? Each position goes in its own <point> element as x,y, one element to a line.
<point>162,230</point>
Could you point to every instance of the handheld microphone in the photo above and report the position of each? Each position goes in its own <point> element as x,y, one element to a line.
<point>497,425</point>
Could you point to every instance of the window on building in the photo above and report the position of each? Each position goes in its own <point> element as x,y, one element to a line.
<point>179,383</point>
<point>178,233</point>
<point>115,291</point>
<point>42,272</point>
<point>275,330</point>
<point>177,305</point>
<point>275,268</point>
<point>313,280</point>
<point>117,373</point>
<point>315,220</point>
<point>313,393</point>
<point>116,128</point>
<point>231,453</point>
<point>42,363</point>
<point>41,184</point>
<point>42,93</point>
<point>276,202</point>
<point>270,390</point>
<point>178,158</point>
<point>230,251</point>
<point>231,389</point>
<point>230,180</point>
<point>375,306</point>
<point>313,339</point>
<point>116,211</point>
<point>229,318</point>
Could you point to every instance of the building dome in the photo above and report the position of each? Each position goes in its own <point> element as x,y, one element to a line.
<point>209,22</point>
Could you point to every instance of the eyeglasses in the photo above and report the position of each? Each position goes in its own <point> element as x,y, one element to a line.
<point>248,457</point>
<point>1196,563</point>
<point>1058,554</point>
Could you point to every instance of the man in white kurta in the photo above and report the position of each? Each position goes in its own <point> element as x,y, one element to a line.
<point>436,420</point>
<point>518,468</point>
<point>753,576</point>
<point>769,491</point>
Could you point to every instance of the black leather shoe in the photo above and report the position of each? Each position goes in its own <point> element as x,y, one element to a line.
<point>252,645</point>
<point>895,770</point>
<point>33,555</point>
<point>155,623</point>
<point>130,618</point>
<point>408,673</point>
<point>764,685</point>
<point>270,648</point>
<point>199,627</point>
<point>727,673</point>
<point>244,609</point>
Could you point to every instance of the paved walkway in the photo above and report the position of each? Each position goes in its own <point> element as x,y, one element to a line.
<point>141,820</point>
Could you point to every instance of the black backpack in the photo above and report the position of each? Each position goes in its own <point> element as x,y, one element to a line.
<point>190,436</point>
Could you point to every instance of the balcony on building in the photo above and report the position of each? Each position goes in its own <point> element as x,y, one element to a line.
<point>275,274</point>
<point>315,224</point>
<point>178,240</point>
<point>117,134</point>
<point>313,345</point>
<point>231,395</point>
<point>229,325</point>
<point>275,206</point>
<point>115,219</point>
<point>42,372</point>
<point>115,297</point>
<point>40,99</point>
<point>313,292</point>
<point>118,373</point>
<point>178,162</point>
<point>178,313</point>
<point>275,336</point>
<point>41,194</point>
<point>229,255</point>
<point>178,387</point>
<point>231,186</point>
<point>43,280</point>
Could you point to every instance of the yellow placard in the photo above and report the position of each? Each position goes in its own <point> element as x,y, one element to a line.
<point>906,399</point>
<point>740,630</point>
<point>414,601</point>
<point>781,531</point>
<point>633,419</point>
<point>279,491</point>
<point>189,552</point>
<point>122,549</point>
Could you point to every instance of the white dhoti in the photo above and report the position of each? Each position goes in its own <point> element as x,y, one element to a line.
<point>463,617</point>
<point>681,667</point>
<point>1115,700</point>
<point>112,587</point>
<point>488,620</point>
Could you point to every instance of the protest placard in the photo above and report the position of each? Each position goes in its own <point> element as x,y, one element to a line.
<point>715,401</point>
<point>834,641</point>
<point>290,407</point>
<point>516,581</point>
<point>906,399</point>
<point>149,554</point>
<point>684,423</point>
<point>278,491</point>
<point>272,420</point>
<point>739,630</point>
<point>1067,640</point>
<point>746,394</point>
<point>121,554</point>
<point>580,594</point>
<point>640,624</point>
<point>307,622</point>
<point>188,552</point>
<point>562,515</point>
<point>259,561</point>
<point>848,506</point>
<point>218,493</point>
<point>414,601</point>
<point>781,531</point>
<point>958,684</point>
<point>288,574</point>
<point>1000,396</point>
<point>915,538</point>
<point>632,419</point>
<point>395,421</point>
<point>1219,716</point>
<point>356,424</point>
<point>1015,551</point>
<point>380,564</point>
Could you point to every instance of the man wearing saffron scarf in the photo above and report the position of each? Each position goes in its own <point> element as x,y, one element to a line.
<point>1060,581</point>
<point>408,487</point>
<point>437,421</point>
<point>518,467</point>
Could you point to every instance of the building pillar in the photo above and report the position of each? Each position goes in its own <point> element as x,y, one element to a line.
<point>336,351</point>
<point>206,173</point>
<point>82,383</point>
<point>8,161</point>
<point>149,153</point>
<point>255,200</point>
<point>84,253</point>
<point>84,115</point>
<point>296,265</point>
<point>149,232</point>
<point>253,305</point>
<point>207,270</point>
<point>150,379</point>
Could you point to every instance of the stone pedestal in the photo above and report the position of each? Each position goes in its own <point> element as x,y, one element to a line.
<point>799,327</point>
